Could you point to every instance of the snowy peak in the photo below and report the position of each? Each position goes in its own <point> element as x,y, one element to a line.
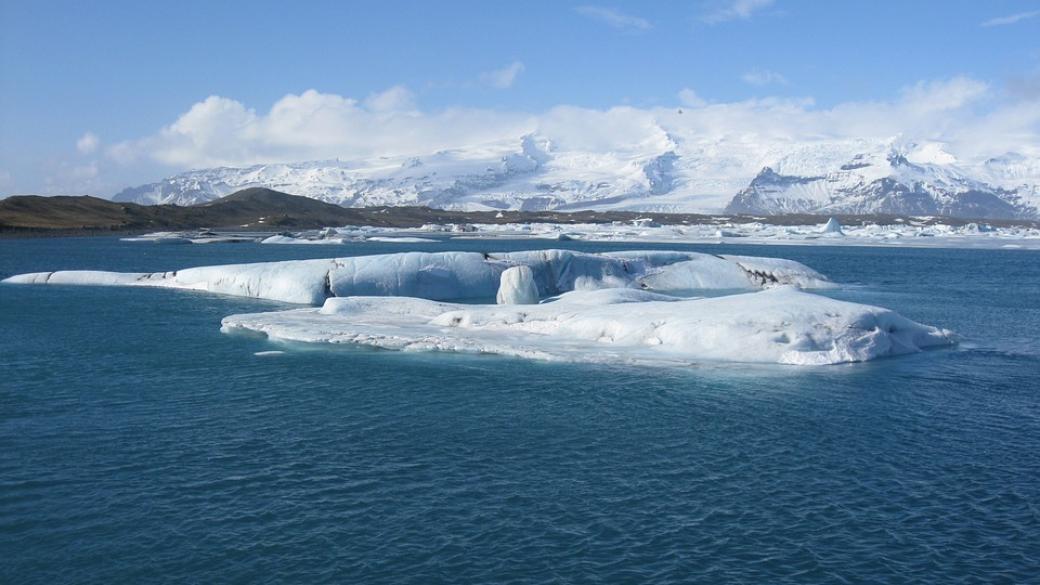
<point>881,182</point>
<point>659,171</point>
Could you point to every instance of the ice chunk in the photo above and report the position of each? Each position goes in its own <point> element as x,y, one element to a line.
<point>400,240</point>
<point>781,325</point>
<point>517,287</point>
<point>832,227</point>
<point>459,275</point>
<point>79,277</point>
<point>282,239</point>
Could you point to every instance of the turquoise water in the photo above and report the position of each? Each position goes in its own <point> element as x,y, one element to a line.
<point>139,444</point>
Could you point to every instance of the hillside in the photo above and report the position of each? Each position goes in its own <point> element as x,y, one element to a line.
<point>249,208</point>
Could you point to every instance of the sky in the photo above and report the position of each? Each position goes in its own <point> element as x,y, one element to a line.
<point>99,96</point>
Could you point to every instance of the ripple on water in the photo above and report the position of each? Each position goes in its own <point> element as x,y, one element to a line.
<point>141,445</point>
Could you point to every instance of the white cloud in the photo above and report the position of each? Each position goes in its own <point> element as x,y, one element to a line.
<point>615,18</point>
<point>397,98</point>
<point>88,143</point>
<point>967,115</point>
<point>503,78</point>
<point>219,131</point>
<point>1011,19</point>
<point>735,10</point>
<point>944,95</point>
<point>763,77</point>
<point>65,178</point>
<point>690,98</point>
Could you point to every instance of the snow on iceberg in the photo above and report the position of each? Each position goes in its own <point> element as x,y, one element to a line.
<point>781,325</point>
<point>459,275</point>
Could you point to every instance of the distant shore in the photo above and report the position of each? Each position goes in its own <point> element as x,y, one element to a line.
<point>264,210</point>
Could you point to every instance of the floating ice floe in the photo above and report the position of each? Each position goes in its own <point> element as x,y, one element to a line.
<point>458,275</point>
<point>781,325</point>
<point>204,237</point>
<point>613,307</point>
<point>400,240</point>
<point>918,232</point>
<point>283,239</point>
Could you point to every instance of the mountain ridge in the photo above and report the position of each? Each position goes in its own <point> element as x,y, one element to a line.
<point>670,175</point>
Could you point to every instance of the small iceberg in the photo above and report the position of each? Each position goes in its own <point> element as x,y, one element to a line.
<point>832,228</point>
<point>400,240</point>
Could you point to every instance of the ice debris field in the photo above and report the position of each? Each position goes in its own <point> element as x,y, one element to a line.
<point>636,307</point>
<point>924,232</point>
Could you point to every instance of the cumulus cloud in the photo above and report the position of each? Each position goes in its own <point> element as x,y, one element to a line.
<point>614,18</point>
<point>944,95</point>
<point>763,77</point>
<point>968,115</point>
<point>690,98</point>
<point>220,131</point>
<point>88,143</point>
<point>735,10</point>
<point>503,78</point>
<point>397,98</point>
<point>1010,19</point>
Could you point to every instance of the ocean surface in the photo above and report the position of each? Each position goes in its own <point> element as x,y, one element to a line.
<point>138,444</point>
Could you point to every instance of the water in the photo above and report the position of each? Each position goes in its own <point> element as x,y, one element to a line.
<point>138,444</point>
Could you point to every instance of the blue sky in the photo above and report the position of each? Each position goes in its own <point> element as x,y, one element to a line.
<point>103,75</point>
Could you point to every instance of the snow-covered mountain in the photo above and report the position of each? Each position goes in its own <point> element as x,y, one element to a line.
<point>883,182</point>
<point>664,172</point>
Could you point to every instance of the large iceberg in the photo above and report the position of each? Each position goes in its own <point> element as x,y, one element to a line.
<point>458,275</point>
<point>781,325</point>
<point>618,307</point>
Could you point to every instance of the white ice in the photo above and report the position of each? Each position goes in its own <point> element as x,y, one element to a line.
<point>400,240</point>
<point>781,325</point>
<point>458,275</point>
<point>601,307</point>
<point>915,232</point>
<point>517,287</point>
<point>832,226</point>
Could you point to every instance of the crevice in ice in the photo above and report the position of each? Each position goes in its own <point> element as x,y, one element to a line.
<point>329,293</point>
<point>760,277</point>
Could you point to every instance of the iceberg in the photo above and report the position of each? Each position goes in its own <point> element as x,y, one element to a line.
<point>400,240</point>
<point>782,325</point>
<point>832,227</point>
<point>617,307</point>
<point>283,239</point>
<point>458,275</point>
